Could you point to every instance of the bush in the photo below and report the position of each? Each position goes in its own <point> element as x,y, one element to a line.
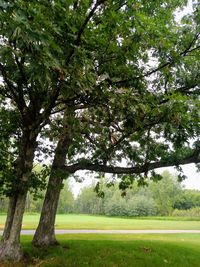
<point>194,212</point>
<point>136,206</point>
<point>116,208</point>
<point>141,206</point>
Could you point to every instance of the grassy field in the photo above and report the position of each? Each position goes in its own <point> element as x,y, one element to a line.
<point>101,250</point>
<point>176,250</point>
<point>101,222</point>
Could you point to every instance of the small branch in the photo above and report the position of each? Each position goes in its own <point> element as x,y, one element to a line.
<point>10,85</point>
<point>168,63</point>
<point>52,102</point>
<point>82,28</point>
<point>188,49</point>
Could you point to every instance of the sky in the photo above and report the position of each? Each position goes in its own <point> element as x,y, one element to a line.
<point>193,180</point>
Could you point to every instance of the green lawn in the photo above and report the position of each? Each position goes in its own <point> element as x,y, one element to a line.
<point>79,250</point>
<point>101,222</point>
<point>177,250</point>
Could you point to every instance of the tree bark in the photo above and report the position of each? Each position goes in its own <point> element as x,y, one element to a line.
<point>45,232</point>
<point>10,248</point>
<point>9,219</point>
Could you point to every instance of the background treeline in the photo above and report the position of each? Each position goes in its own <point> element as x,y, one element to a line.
<point>162,198</point>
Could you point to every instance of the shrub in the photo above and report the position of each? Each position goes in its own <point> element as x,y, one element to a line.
<point>194,212</point>
<point>141,206</point>
<point>136,206</point>
<point>116,207</point>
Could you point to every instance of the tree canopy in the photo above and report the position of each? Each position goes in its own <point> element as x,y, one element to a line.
<point>130,71</point>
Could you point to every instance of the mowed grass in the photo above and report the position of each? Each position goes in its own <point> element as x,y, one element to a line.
<point>177,250</point>
<point>113,250</point>
<point>70,221</point>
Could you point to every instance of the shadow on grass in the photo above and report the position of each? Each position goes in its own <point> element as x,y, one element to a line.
<point>111,253</point>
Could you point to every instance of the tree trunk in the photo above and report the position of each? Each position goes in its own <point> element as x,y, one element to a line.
<point>9,219</point>
<point>10,248</point>
<point>45,232</point>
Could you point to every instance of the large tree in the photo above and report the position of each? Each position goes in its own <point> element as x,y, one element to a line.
<point>37,47</point>
<point>96,57</point>
<point>137,83</point>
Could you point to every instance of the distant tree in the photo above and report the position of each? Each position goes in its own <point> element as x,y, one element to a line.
<point>66,200</point>
<point>88,202</point>
<point>3,204</point>
<point>116,207</point>
<point>166,192</point>
<point>187,199</point>
<point>141,206</point>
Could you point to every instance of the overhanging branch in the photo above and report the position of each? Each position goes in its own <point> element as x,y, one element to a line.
<point>86,165</point>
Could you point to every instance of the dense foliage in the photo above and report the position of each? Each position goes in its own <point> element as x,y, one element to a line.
<point>125,106</point>
<point>160,198</point>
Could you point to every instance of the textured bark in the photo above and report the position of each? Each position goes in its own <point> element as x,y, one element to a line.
<point>10,248</point>
<point>9,219</point>
<point>10,251</point>
<point>45,232</point>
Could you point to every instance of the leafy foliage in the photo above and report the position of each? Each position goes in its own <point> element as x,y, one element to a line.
<point>158,198</point>
<point>56,55</point>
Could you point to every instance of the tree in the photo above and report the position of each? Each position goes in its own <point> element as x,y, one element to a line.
<point>32,70</point>
<point>187,199</point>
<point>95,57</point>
<point>125,107</point>
<point>66,200</point>
<point>166,193</point>
<point>88,202</point>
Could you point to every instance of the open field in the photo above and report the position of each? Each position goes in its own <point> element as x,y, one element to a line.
<point>70,221</point>
<point>176,250</point>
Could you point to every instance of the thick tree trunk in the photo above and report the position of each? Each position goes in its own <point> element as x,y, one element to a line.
<point>45,232</point>
<point>10,216</point>
<point>10,248</point>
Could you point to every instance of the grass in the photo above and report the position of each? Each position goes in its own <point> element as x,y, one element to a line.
<point>71,221</point>
<point>176,250</point>
<point>101,250</point>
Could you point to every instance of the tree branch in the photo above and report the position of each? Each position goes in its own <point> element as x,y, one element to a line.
<point>168,63</point>
<point>51,104</point>
<point>86,165</point>
<point>188,49</point>
<point>82,28</point>
<point>10,85</point>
